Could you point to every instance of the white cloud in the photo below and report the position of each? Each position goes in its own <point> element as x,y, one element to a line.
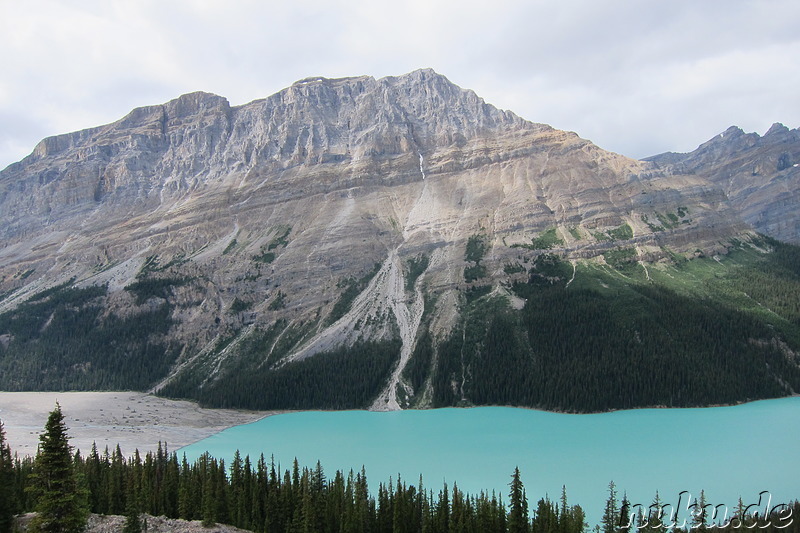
<point>635,77</point>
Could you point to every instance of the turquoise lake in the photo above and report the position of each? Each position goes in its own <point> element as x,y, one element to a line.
<point>727,451</point>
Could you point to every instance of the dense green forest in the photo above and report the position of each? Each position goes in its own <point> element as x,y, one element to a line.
<point>261,496</point>
<point>347,378</point>
<point>62,339</point>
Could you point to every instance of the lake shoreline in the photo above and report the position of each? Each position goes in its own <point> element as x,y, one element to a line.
<point>132,420</point>
<point>137,420</point>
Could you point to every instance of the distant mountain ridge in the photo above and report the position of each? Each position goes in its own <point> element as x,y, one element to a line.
<point>760,175</point>
<point>328,245</point>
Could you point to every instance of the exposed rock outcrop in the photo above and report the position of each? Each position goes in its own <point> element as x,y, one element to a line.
<point>759,175</point>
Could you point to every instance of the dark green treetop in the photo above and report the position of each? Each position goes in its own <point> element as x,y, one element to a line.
<point>62,506</point>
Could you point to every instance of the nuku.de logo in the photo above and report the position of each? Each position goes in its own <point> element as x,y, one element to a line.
<point>689,514</point>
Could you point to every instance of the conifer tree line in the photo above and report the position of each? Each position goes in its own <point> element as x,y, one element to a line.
<point>259,496</point>
<point>696,515</point>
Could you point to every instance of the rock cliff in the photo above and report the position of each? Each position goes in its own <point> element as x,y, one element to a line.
<point>759,175</point>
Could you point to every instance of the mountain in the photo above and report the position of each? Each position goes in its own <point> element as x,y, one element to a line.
<point>385,243</point>
<point>759,175</point>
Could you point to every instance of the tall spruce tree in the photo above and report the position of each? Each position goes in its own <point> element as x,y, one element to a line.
<point>700,513</point>
<point>625,524</point>
<point>133,520</point>
<point>7,499</point>
<point>652,520</point>
<point>611,512</point>
<point>518,513</point>
<point>62,506</point>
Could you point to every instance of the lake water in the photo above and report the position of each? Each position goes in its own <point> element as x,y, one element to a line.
<point>727,451</point>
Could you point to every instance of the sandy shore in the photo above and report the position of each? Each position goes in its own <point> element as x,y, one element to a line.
<point>134,420</point>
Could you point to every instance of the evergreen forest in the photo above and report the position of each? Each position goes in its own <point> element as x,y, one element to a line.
<point>62,339</point>
<point>258,495</point>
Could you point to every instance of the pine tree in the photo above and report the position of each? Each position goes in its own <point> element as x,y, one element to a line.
<point>739,520</point>
<point>115,496</point>
<point>7,499</point>
<point>546,517</point>
<point>62,507</point>
<point>655,517</point>
<point>565,515</point>
<point>699,514</point>
<point>611,512</point>
<point>93,470</point>
<point>625,524</point>
<point>133,521</point>
<point>518,513</point>
<point>208,503</point>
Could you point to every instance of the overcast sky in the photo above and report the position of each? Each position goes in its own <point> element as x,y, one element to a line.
<point>637,77</point>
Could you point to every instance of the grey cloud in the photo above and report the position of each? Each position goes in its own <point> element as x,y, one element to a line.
<point>634,77</point>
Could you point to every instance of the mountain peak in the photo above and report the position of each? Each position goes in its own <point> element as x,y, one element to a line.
<point>423,73</point>
<point>733,131</point>
<point>415,76</point>
<point>777,129</point>
<point>423,76</point>
<point>312,80</point>
<point>192,103</point>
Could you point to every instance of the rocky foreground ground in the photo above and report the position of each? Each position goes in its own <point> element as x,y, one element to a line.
<point>153,524</point>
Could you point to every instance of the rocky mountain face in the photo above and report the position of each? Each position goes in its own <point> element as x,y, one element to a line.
<point>759,175</point>
<point>225,241</point>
